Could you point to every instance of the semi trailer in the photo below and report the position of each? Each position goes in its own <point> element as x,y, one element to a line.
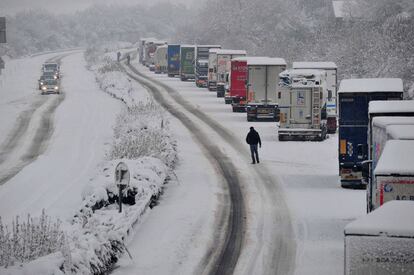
<point>262,87</point>
<point>332,89</point>
<point>302,104</point>
<point>224,58</point>
<point>160,59</point>
<point>173,55</point>
<point>187,57</point>
<point>354,96</point>
<point>388,120</point>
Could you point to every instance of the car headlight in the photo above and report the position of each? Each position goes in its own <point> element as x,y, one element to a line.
<point>56,88</point>
<point>55,77</point>
<point>43,88</point>
<point>41,83</point>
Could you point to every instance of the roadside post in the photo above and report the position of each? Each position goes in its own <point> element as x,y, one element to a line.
<point>122,178</point>
<point>2,38</point>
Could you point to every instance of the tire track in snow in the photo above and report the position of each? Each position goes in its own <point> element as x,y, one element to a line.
<point>223,257</point>
<point>277,244</point>
<point>10,147</point>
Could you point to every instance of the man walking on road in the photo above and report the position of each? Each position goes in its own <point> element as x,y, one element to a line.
<point>253,139</point>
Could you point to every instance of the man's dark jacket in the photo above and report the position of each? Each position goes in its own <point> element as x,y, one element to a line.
<point>253,138</point>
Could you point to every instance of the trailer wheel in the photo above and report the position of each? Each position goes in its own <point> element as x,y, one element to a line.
<point>281,138</point>
<point>183,79</point>
<point>249,119</point>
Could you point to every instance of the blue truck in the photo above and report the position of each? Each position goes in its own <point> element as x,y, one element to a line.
<point>173,53</point>
<point>354,97</point>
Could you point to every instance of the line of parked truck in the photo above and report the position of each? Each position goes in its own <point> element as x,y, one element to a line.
<point>375,125</point>
<point>304,99</point>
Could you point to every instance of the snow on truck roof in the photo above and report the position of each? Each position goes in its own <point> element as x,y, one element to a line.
<point>393,219</point>
<point>226,51</point>
<point>391,106</point>
<point>314,65</point>
<point>371,85</point>
<point>302,73</point>
<point>384,121</point>
<point>397,158</point>
<point>261,60</point>
<point>401,132</point>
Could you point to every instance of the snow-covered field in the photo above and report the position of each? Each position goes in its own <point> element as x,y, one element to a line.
<point>308,172</point>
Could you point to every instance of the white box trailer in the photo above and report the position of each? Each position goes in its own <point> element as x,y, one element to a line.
<point>263,87</point>
<point>394,174</point>
<point>302,105</point>
<point>212,69</point>
<point>332,89</point>
<point>381,242</point>
<point>224,57</point>
<point>160,59</point>
<point>382,114</point>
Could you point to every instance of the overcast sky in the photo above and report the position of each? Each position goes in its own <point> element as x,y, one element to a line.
<point>8,7</point>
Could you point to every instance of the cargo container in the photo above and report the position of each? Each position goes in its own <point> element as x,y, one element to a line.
<point>384,130</point>
<point>149,50</point>
<point>263,88</point>
<point>142,53</point>
<point>160,59</point>
<point>394,173</point>
<point>201,64</point>
<point>382,115</point>
<point>381,242</point>
<point>354,96</point>
<point>173,54</point>
<point>331,86</point>
<point>238,80</point>
<point>224,58</point>
<point>212,69</point>
<point>187,56</point>
<point>302,104</point>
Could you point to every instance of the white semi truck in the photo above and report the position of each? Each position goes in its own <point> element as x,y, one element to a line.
<point>263,87</point>
<point>332,89</point>
<point>303,105</point>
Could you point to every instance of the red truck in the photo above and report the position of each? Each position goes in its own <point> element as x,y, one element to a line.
<point>237,91</point>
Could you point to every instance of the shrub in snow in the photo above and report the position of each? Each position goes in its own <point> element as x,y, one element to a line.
<point>30,239</point>
<point>143,130</point>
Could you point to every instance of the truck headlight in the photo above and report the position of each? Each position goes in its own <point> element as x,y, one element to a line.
<point>56,88</point>
<point>43,88</point>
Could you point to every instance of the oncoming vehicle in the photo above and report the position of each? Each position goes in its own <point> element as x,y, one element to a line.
<point>50,86</point>
<point>44,77</point>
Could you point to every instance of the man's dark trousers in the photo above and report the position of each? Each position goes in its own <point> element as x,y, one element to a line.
<point>253,151</point>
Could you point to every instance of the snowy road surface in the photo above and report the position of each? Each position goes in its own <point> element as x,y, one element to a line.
<point>75,135</point>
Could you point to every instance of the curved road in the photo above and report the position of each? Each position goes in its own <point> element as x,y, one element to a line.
<point>21,147</point>
<point>275,249</point>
